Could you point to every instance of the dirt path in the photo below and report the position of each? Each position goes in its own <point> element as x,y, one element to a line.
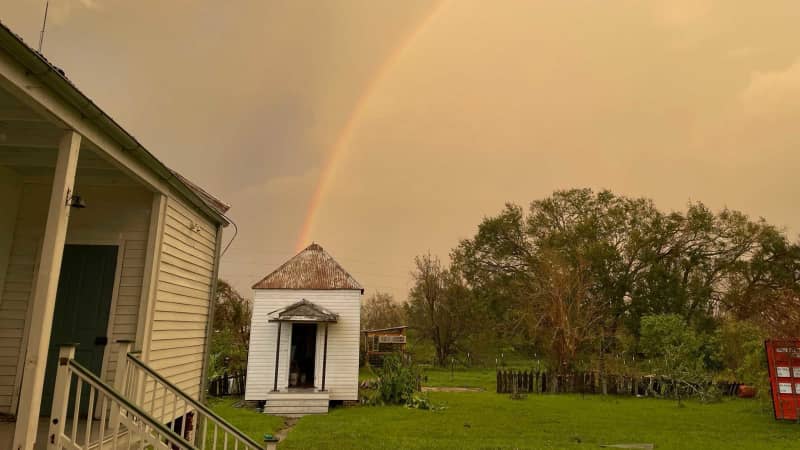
<point>280,435</point>
<point>288,424</point>
<point>450,389</point>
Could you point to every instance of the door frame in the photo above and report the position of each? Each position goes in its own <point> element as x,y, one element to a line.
<point>314,358</point>
<point>110,239</point>
<point>86,237</point>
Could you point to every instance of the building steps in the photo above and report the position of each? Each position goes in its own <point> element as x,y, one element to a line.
<point>296,404</point>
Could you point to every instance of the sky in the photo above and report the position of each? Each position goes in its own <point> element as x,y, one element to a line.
<point>385,129</point>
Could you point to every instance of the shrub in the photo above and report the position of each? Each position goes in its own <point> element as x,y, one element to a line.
<point>398,379</point>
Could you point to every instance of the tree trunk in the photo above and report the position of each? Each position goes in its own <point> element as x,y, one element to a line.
<point>603,381</point>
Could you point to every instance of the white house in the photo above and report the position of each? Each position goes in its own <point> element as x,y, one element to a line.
<point>103,246</point>
<point>304,336</point>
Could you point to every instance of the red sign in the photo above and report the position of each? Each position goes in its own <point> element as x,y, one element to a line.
<point>783,357</point>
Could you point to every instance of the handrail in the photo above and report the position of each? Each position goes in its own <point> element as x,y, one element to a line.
<point>111,392</point>
<point>227,426</point>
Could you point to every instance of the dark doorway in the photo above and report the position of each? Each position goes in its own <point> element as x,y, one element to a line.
<point>304,348</point>
<point>83,303</point>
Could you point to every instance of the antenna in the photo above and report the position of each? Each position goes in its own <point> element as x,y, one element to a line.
<point>44,24</point>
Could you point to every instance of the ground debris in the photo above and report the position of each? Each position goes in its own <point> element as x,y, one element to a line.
<point>633,446</point>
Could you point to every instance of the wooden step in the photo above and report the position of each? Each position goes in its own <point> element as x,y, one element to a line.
<point>292,402</point>
<point>282,410</point>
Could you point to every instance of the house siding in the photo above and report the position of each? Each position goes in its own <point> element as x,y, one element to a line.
<point>122,213</point>
<point>343,342</point>
<point>183,294</point>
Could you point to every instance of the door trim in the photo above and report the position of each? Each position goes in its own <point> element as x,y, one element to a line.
<point>119,242</point>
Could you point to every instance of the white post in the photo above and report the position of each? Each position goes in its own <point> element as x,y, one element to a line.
<point>44,298</point>
<point>58,415</point>
<point>122,350</point>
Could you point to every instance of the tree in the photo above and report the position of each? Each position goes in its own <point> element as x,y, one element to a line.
<point>561,311</point>
<point>231,338</point>
<point>381,310</point>
<point>440,306</point>
<point>675,352</point>
<point>634,261</point>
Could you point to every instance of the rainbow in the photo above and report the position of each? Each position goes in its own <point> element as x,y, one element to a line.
<point>346,133</point>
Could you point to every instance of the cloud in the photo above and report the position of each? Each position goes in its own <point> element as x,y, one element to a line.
<point>772,93</point>
<point>681,13</point>
<point>60,11</point>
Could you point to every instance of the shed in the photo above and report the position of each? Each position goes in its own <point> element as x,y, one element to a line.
<point>380,342</point>
<point>304,335</point>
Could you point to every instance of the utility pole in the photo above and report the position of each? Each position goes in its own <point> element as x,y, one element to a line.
<point>44,24</point>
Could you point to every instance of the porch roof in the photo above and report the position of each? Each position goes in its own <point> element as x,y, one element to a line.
<point>303,311</point>
<point>54,78</point>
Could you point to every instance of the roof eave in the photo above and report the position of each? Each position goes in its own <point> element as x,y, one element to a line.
<point>45,72</point>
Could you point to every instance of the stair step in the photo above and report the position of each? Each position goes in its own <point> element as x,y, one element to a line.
<point>292,402</point>
<point>280,410</point>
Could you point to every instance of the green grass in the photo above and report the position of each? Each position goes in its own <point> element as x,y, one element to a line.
<point>246,419</point>
<point>480,378</point>
<point>489,420</point>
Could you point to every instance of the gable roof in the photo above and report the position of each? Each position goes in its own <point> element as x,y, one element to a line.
<point>54,78</point>
<point>314,269</point>
<point>303,311</point>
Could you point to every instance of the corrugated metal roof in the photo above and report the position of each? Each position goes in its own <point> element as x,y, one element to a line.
<point>312,268</point>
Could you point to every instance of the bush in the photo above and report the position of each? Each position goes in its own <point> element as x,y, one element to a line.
<point>398,380</point>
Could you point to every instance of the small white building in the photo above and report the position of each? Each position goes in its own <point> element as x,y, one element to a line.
<point>304,336</point>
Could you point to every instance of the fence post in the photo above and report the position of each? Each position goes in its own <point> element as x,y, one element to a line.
<point>58,413</point>
<point>122,350</point>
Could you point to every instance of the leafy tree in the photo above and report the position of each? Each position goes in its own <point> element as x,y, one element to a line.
<point>381,310</point>
<point>675,352</point>
<point>561,311</point>
<point>742,354</point>
<point>231,338</point>
<point>440,306</point>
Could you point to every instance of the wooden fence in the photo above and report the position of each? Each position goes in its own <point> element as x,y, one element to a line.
<point>511,381</point>
<point>227,384</point>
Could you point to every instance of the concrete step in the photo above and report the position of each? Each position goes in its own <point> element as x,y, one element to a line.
<point>294,402</point>
<point>282,410</point>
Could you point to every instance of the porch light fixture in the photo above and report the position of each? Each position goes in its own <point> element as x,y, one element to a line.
<point>76,201</point>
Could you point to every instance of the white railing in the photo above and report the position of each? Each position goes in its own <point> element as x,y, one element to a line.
<point>88,414</point>
<point>182,414</point>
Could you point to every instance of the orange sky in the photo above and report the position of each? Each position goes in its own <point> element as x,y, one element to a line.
<point>438,113</point>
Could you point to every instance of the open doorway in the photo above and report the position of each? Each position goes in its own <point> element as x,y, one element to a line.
<point>301,362</point>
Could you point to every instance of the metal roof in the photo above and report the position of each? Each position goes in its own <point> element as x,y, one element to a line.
<point>401,327</point>
<point>303,311</point>
<point>54,77</point>
<point>313,269</point>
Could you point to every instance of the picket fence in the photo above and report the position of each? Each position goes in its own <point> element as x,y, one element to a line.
<point>511,381</point>
<point>227,384</point>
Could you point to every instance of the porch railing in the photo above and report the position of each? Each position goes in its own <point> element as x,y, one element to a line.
<point>161,399</point>
<point>88,414</point>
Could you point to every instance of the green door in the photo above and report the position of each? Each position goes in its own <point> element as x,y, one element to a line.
<point>83,303</point>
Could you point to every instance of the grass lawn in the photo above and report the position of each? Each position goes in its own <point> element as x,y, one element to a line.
<point>247,420</point>
<point>485,379</point>
<point>489,420</point>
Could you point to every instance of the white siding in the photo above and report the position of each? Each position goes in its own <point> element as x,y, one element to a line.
<point>183,295</point>
<point>117,215</point>
<point>343,342</point>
